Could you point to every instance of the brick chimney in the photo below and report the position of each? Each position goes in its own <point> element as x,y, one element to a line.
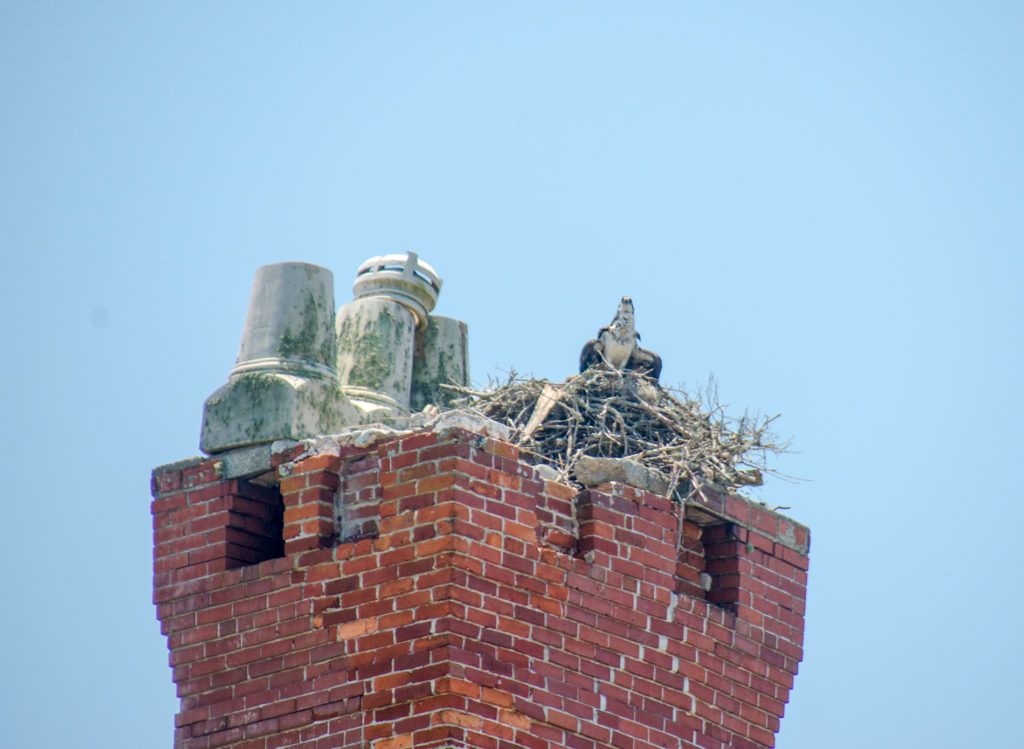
<point>394,587</point>
<point>429,590</point>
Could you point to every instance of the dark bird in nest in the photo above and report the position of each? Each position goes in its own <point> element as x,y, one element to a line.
<point>618,346</point>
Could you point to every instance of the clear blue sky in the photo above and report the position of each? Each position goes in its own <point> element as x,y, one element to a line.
<point>820,203</point>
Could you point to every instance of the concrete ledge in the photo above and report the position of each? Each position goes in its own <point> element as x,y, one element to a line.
<point>593,472</point>
<point>707,506</point>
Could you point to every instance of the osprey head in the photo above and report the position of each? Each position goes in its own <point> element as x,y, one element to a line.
<point>624,318</point>
<point>618,340</point>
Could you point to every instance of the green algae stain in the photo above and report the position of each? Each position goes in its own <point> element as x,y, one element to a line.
<point>309,342</point>
<point>369,345</point>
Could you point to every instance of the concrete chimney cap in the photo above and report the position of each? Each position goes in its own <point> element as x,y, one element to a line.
<point>402,277</point>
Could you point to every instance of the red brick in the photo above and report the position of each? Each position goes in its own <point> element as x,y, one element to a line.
<point>322,462</point>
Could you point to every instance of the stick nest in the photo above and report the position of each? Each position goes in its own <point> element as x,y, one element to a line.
<point>612,414</point>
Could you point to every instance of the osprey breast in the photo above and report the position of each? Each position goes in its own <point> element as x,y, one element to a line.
<point>617,347</point>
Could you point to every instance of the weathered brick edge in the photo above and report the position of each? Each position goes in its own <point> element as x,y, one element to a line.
<point>431,591</point>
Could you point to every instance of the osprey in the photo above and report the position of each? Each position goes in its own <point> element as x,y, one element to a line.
<point>617,345</point>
